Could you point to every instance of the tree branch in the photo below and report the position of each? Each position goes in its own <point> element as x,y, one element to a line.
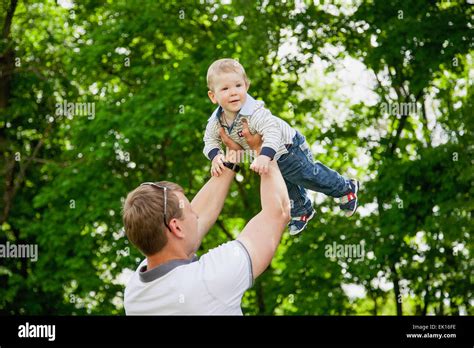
<point>110,71</point>
<point>394,142</point>
<point>381,87</point>
<point>46,161</point>
<point>224,229</point>
<point>7,194</point>
<point>8,19</point>
<point>427,132</point>
<point>12,185</point>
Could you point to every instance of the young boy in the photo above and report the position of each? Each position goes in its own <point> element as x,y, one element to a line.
<point>228,85</point>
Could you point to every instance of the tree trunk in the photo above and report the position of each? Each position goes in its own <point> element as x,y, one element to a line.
<point>260,298</point>
<point>6,70</point>
<point>376,307</point>
<point>7,57</point>
<point>396,289</point>
<point>425,306</point>
<point>426,298</point>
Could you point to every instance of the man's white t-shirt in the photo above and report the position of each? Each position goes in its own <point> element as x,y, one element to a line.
<point>212,285</point>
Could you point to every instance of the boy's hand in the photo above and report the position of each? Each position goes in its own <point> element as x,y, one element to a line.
<point>217,165</point>
<point>260,164</point>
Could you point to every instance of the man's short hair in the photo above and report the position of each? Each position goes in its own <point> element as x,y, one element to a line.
<point>225,65</point>
<point>143,215</point>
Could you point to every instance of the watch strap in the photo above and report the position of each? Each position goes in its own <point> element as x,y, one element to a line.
<point>234,166</point>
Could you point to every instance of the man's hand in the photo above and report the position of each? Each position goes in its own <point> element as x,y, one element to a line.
<point>260,164</point>
<point>217,165</point>
<point>228,142</point>
<point>255,141</point>
<point>232,148</point>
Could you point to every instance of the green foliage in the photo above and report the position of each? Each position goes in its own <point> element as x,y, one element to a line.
<point>142,66</point>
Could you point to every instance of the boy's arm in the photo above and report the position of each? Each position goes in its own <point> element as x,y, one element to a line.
<point>267,125</point>
<point>212,141</point>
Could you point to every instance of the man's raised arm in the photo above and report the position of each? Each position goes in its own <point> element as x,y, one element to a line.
<point>261,236</point>
<point>208,202</point>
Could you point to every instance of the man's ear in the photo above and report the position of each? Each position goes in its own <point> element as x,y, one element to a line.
<point>248,86</point>
<point>212,96</point>
<point>176,228</point>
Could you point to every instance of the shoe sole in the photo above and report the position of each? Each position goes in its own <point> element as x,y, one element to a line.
<point>294,233</point>
<point>349,214</point>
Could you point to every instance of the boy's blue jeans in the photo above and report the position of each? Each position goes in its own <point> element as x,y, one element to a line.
<point>301,172</point>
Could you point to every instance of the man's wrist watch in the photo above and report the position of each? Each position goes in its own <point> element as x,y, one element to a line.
<point>235,167</point>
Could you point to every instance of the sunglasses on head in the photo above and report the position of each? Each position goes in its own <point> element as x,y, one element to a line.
<point>165,198</point>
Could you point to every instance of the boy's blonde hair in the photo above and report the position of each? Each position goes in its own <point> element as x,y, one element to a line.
<point>225,65</point>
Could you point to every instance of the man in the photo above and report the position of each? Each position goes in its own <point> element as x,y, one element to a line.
<point>168,229</point>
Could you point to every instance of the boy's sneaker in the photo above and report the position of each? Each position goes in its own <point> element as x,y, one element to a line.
<point>299,223</point>
<point>349,201</point>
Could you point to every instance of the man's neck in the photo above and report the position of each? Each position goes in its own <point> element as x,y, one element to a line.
<point>163,257</point>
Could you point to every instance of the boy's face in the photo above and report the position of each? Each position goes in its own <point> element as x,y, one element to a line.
<point>229,91</point>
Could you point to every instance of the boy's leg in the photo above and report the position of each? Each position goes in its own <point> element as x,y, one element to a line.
<point>301,208</point>
<point>322,179</point>
<point>300,202</point>
<point>299,167</point>
<point>313,175</point>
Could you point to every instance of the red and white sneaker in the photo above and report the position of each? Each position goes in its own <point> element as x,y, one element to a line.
<point>299,223</point>
<point>349,201</point>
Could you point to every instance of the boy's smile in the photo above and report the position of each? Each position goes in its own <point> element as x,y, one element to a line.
<point>230,92</point>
